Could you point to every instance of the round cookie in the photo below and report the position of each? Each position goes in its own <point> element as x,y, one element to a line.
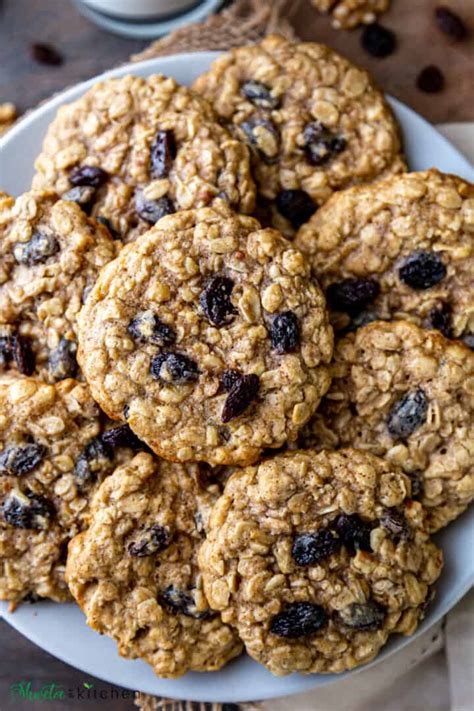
<point>134,149</point>
<point>317,558</point>
<point>314,121</point>
<point>209,337</point>
<point>347,14</point>
<point>134,572</point>
<point>50,254</point>
<point>407,394</point>
<point>53,454</point>
<point>403,248</point>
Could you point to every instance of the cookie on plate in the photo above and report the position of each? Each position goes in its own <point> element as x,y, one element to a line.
<point>134,149</point>
<point>317,558</point>
<point>347,14</point>
<point>314,121</point>
<point>209,336</point>
<point>134,572</point>
<point>53,454</point>
<point>403,248</point>
<point>407,394</point>
<point>50,254</point>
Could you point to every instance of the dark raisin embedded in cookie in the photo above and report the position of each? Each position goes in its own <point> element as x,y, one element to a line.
<point>313,548</point>
<point>296,205</point>
<point>21,459</point>
<point>215,300</point>
<point>354,532</point>
<point>82,195</point>
<point>37,250</point>
<point>146,327</point>
<point>62,361</point>
<point>153,210</point>
<point>352,295</point>
<point>174,368</point>
<point>22,354</point>
<point>394,522</point>
<point>259,94</point>
<point>378,41</point>
<point>27,510</point>
<point>363,616</point>
<point>422,270</point>
<point>285,332</point>
<point>89,175</point>
<point>450,23</point>
<point>241,395</point>
<point>299,619</point>
<point>262,133</point>
<point>179,601</point>
<point>407,414</point>
<point>229,379</point>
<point>94,460</point>
<point>153,540</point>
<point>162,153</point>
<point>440,319</point>
<point>320,144</point>
<point>121,436</point>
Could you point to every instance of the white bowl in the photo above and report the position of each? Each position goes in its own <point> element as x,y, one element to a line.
<point>140,9</point>
<point>61,629</point>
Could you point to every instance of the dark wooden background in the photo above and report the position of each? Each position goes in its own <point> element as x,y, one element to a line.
<point>88,51</point>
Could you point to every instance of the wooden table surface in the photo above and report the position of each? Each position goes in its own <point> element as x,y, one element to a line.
<point>88,50</point>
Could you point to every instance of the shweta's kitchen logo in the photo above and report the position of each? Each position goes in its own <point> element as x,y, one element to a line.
<point>25,690</point>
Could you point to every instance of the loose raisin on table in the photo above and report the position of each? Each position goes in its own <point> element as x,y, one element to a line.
<point>146,327</point>
<point>82,195</point>
<point>378,41</point>
<point>22,355</point>
<point>422,270</point>
<point>300,619</point>
<point>262,133</point>
<point>89,175</point>
<point>407,414</point>
<point>312,548</point>
<point>94,460</point>
<point>153,210</point>
<point>394,522</point>
<point>229,379</point>
<point>354,532</point>
<point>37,250</point>
<point>174,368</point>
<point>285,332</point>
<point>46,54</point>
<point>21,459</point>
<point>179,601</point>
<point>27,510</point>
<point>259,94</point>
<point>440,319</point>
<point>121,436</point>
<point>365,616</point>
<point>241,395</point>
<point>320,144</point>
<point>153,540</point>
<point>62,361</point>
<point>296,205</point>
<point>352,295</point>
<point>450,23</point>
<point>162,153</point>
<point>215,301</point>
<point>430,79</point>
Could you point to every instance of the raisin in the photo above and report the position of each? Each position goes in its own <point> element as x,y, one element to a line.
<point>299,619</point>
<point>178,601</point>
<point>407,414</point>
<point>378,41</point>
<point>422,270</point>
<point>296,205</point>
<point>259,94</point>
<point>440,318</point>
<point>89,175</point>
<point>146,327</point>
<point>241,394</point>
<point>121,436</point>
<point>229,379</point>
<point>108,225</point>
<point>395,524</point>
<point>312,548</point>
<point>352,295</point>
<point>215,300</point>
<point>93,461</point>
<point>27,510</point>
<point>430,80</point>
<point>46,54</point>
<point>82,195</point>
<point>450,23</point>
<point>363,616</point>
<point>153,210</point>
<point>162,153</point>
<point>5,350</point>
<point>21,459</point>
<point>262,133</point>
<point>62,361</point>
<point>468,340</point>
<point>285,332</point>
<point>416,479</point>
<point>354,532</point>
<point>174,368</point>
<point>153,540</point>
<point>22,355</point>
<point>37,250</point>
<point>320,144</point>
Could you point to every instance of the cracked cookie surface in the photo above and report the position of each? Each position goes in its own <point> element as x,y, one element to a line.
<point>315,123</point>
<point>347,14</point>
<point>403,248</point>
<point>134,571</point>
<point>51,254</point>
<point>209,336</point>
<point>407,394</point>
<point>140,149</point>
<point>317,558</point>
<point>52,457</point>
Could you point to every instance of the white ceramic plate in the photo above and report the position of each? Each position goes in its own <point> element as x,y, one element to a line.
<point>61,629</point>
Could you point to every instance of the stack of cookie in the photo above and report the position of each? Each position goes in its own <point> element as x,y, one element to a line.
<point>169,294</point>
